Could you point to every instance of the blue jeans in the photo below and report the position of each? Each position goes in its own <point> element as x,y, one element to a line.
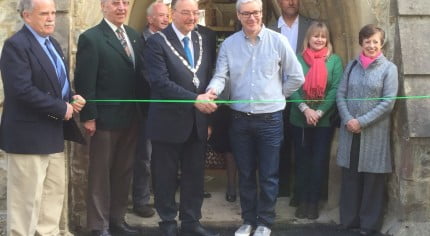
<point>311,148</point>
<point>256,141</point>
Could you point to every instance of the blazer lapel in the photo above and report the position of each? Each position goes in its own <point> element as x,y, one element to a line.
<point>113,40</point>
<point>44,60</point>
<point>196,46</point>
<point>173,38</point>
<point>134,42</point>
<point>303,27</point>
<point>60,52</point>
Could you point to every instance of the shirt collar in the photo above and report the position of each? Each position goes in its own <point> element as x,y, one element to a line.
<point>281,22</point>
<point>260,35</point>
<point>39,38</point>
<point>114,27</point>
<point>179,34</point>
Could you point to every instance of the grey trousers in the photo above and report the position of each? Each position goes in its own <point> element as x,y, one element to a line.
<point>362,198</point>
<point>109,175</point>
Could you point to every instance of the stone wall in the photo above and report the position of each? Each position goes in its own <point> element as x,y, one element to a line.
<point>413,149</point>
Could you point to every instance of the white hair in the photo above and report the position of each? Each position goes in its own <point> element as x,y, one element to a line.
<point>24,5</point>
<point>150,9</point>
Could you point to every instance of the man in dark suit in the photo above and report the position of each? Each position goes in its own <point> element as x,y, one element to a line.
<point>108,66</point>
<point>293,26</point>
<point>157,16</point>
<point>36,119</point>
<point>176,64</point>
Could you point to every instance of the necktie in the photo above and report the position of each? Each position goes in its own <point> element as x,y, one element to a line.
<point>123,41</point>
<point>61,73</point>
<point>188,51</point>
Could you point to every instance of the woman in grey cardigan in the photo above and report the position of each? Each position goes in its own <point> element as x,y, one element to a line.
<point>364,138</point>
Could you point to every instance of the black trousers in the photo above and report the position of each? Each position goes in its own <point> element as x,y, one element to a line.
<point>286,156</point>
<point>362,197</point>
<point>142,169</point>
<point>165,161</point>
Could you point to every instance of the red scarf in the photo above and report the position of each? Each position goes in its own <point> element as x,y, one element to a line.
<point>316,78</point>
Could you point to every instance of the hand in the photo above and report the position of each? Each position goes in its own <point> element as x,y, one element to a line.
<point>203,104</point>
<point>69,112</point>
<point>211,91</point>
<point>209,132</point>
<point>90,127</point>
<point>353,126</point>
<point>312,117</point>
<point>78,103</point>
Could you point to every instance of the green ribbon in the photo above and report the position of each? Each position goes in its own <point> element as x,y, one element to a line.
<point>249,101</point>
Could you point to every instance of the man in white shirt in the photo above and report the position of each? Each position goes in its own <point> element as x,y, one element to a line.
<point>292,24</point>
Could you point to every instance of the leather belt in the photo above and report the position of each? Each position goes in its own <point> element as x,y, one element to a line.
<point>253,115</point>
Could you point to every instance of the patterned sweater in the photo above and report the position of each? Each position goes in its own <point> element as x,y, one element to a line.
<point>379,80</point>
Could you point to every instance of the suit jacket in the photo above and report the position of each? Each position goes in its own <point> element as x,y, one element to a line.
<point>170,79</point>
<point>33,110</point>
<point>209,36</point>
<point>104,71</point>
<point>304,24</point>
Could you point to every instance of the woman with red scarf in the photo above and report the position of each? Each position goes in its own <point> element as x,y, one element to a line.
<point>310,117</point>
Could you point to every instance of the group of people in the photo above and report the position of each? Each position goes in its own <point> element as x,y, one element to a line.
<point>167,140</point>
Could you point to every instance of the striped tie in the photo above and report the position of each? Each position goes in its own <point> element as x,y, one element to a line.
<point>124,44</point>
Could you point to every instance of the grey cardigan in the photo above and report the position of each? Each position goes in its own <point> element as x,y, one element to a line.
<point>380,79</point>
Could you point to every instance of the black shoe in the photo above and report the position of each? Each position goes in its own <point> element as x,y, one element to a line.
<point>196,230</point>
<point>294,202</point>
<point>367,232</point>
<point>230,197</point>
<point>301,211</point>
<point>104,232</point>
<point>168,228</point>
<point>313,213</point>
<point>122,228</point>
<point>342,227</point>
<point>207,194</point>
<point>144,211</point>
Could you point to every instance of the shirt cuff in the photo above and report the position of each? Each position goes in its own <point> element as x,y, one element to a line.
<point>303,107</point>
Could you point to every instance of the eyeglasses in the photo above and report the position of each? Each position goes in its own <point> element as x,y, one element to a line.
<point>190,13</point>
<point>248,14</point>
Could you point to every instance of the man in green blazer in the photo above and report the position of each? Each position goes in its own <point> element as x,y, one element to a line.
<point>108,67</point>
